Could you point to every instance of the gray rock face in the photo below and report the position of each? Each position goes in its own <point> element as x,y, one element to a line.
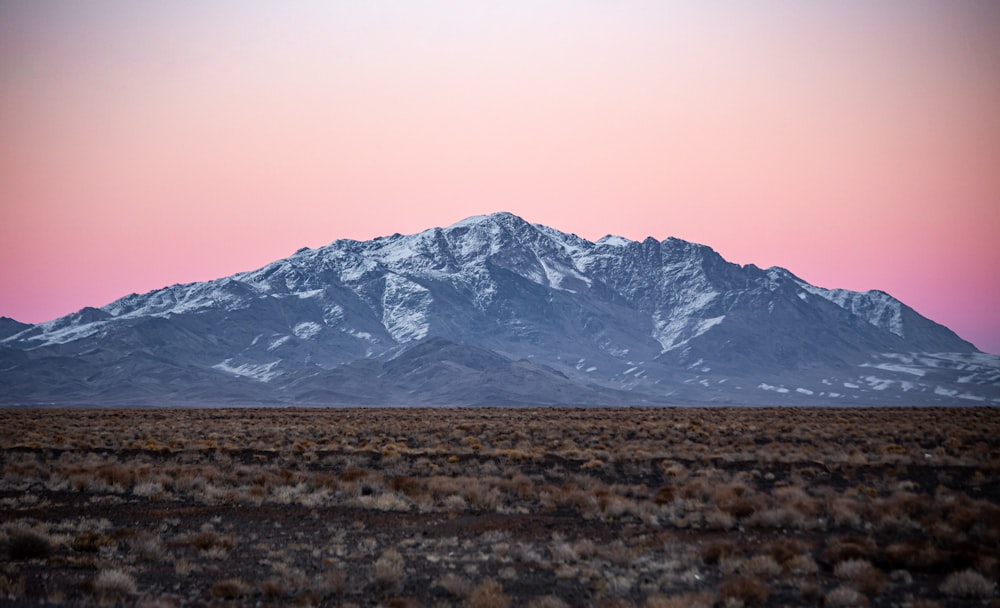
<point>494,310</point>
<point>9,327</point>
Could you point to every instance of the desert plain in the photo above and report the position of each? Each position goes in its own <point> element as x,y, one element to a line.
<point>484,507</point>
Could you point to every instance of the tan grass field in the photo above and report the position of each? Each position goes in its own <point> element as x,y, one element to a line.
<point>500,507</point>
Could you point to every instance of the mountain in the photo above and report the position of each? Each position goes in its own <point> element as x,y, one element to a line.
<point>9,327</point>
<point>495,310</point>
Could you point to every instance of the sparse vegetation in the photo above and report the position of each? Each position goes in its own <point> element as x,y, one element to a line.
<point>113,586</point>
<point>501,507</point>
<point>968,583</point>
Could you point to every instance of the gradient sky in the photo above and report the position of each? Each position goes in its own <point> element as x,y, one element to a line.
<point>149,143</point>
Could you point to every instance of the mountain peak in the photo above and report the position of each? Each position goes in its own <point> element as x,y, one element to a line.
<point>503,218</point>
<point>496,299</point>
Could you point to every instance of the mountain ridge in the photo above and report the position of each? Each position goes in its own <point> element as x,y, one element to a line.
<point>650,322</point>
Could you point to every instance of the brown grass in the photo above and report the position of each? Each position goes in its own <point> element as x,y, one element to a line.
<point>748,591</point>
<point>543,507</point>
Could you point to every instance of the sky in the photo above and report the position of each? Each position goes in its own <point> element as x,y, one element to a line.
<point>857,144</point>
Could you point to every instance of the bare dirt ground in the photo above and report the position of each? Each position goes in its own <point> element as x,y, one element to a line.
<point>500,507</point>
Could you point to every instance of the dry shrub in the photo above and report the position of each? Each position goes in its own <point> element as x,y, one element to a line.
<point>844,512</point>
<point>148,489</point>
<point>333,582</point>
<point>916,555</point>
<point>761,565</point>
<point>785,549</point>
<point>968,583</point>
<point>860,574</point>
<point>716,551</point>
<point>802,564</point>
<point>229,589</point>
<point>440,486</point>
<point>796,499</point>
<point>115,474</point>
<point>844,597</point>
<point>810,591</point>
<point>584,548</point>
<point>390,570</point>
<point>613,506</point>
<point>273,588</point>
<point>849,547</point>
<point>209,539</point>
<point>738,500</point>
<point>780,517</point>
<point>455,584</point>
<point>717,519</point>
<point>547,601</point>
<point>11,588</point>
<point>684,600</point>
<point>749,590</point>
<point>354,474</point>
<point>90,542</point>
<point>904,504</point>
<point>696,489</point>
<point>665,495</point>
<point>28,544</point>
<point>113,585</point>
<point>148,547</point>
<point>618,553</point>
<point>488,594</point>
<point>405,485</point>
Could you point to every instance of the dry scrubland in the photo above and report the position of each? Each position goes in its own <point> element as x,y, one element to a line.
<point>501,507</point>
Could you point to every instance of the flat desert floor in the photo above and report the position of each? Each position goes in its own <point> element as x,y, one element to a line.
<point>541,507</point>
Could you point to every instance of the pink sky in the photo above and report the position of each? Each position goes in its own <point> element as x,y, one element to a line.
<point>856,144</point>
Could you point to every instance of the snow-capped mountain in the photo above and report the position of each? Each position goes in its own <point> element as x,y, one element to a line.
<point>494,309</point>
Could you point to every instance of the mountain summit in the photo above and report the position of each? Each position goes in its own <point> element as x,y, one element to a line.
<point>496,310</point>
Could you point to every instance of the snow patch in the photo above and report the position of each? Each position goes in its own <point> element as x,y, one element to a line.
<point>769,387</point>
<point>895,367</point>
<point>361,334</point>
<point>612,240</point>
<point>683,323</point>
<point>306,330</point>
<point>277,343</point>
<point>878,384</point>
<point>404,308</point>
<point>263,372</point>
<point>64,335</point>
<point>876,307</point>
<point>333,315</point>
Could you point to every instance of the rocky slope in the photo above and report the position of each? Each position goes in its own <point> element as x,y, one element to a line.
<point>494,309</point>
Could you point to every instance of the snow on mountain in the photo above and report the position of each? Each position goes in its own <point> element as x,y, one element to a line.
<point>876,307</point>
<point>630,321</point>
